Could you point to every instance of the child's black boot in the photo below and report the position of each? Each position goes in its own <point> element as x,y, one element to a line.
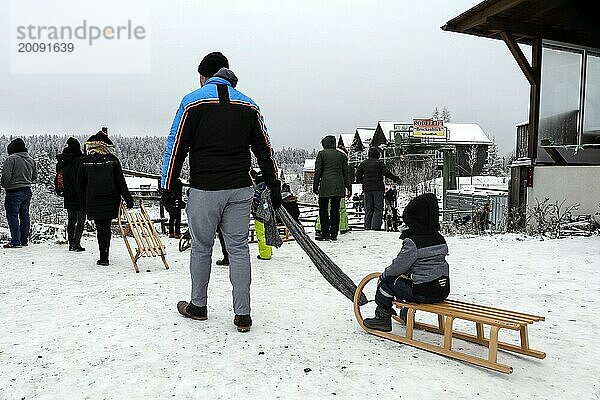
<point>382,320</point>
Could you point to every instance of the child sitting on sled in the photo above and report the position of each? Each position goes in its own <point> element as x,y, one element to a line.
<point>420,273</point>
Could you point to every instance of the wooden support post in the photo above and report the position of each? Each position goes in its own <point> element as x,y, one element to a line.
<point>448,333</point>
<point>524,338</point>
<point>410,323</point>
<point>441,322</point>
<point>480,333</point>
<point>493,345</point>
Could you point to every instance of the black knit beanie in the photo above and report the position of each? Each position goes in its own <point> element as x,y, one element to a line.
<point>212,63</point>
<point>100,137</point>
<point>73,146</point>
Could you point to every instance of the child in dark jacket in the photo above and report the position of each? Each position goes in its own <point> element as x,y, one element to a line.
<point>419,273</point>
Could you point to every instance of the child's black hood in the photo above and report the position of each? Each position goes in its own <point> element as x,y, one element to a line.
<point>421,215</point>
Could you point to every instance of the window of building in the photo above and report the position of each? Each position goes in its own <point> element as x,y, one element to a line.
<point>560,96</point>
<point>591,115</point>
<point>570,96</point>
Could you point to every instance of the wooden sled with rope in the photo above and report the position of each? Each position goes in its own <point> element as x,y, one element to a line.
<point>447,312</point>
<point>137,224</point>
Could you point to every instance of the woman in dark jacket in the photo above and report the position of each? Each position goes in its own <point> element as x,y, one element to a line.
<point>331,183</point>
<point>370,173</point>
<point>102,184</point>
<point>67,168</point>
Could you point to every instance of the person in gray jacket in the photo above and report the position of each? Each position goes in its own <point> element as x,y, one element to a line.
<point>331,183</point>
<point>419,273</point>
<point>18,174</point>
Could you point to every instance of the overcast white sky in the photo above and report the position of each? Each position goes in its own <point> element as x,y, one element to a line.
<point>314,67</point>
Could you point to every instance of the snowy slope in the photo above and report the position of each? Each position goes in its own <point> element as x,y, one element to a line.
<point>72,330</point>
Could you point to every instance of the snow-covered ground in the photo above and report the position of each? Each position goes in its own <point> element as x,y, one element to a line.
<point>72,330</point>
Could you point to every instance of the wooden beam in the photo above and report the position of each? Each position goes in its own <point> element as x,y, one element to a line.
<point>531,30</point>
<point>481,16</point>
<point>519,56</point>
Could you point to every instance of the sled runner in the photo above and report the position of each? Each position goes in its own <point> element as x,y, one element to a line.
<point>450,310</point>
<point>137,223</point>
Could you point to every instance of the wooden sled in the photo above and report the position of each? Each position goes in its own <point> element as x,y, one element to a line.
<point>283,231</point>
<point>138,224</point>
<point>450,310</point>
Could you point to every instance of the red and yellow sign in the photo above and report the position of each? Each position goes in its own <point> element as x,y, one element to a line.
<point>427,127</point>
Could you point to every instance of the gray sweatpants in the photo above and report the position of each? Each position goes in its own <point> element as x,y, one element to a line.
<point>229,209</point>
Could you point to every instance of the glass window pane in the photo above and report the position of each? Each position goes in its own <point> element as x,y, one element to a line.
<point>591,116</point>
<point>559,97</point>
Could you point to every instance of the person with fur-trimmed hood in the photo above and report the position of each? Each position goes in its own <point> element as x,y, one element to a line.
<point>419,273</point>
<point>102,185</point>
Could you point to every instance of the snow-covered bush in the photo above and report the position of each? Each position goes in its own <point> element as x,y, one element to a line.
<point>547,218</point>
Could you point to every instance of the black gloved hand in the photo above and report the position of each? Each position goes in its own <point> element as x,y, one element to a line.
<point>276,195</point>
<point>168,200</point>
<point>129,203</point>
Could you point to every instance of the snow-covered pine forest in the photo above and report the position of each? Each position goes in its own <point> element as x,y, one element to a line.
<point>144,154</point>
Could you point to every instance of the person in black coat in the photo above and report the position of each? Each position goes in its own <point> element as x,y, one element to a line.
<point>173,207</point>
<point>102,184</point>
<point>67,168</point>
<point>331,183</point>
<point>370,173</point>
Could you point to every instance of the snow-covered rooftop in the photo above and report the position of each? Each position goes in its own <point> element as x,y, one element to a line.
<point>137,183</point>
<point>466,134</point>
<point>389,126</point>
<point>309,165</point>
<point>365,134</point>
<point>347,139</point>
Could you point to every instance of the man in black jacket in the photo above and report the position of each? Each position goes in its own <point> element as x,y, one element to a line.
<point>331,182</point>
<point>65,185</point>
<point>370,173</point>
<point>217,126</point>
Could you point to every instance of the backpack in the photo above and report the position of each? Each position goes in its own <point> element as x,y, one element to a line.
<point>59,183</point>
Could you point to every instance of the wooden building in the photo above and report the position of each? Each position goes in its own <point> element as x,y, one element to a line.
<point>558,149</point>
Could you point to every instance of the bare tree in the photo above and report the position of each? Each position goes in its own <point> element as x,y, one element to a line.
<point>472,155</point>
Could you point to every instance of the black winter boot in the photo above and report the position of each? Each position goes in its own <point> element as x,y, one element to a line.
<point>192,311</point>
<point>103,257</point>
<point>382,320</point>
<point>224,262</point>
<point>243,322</point>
